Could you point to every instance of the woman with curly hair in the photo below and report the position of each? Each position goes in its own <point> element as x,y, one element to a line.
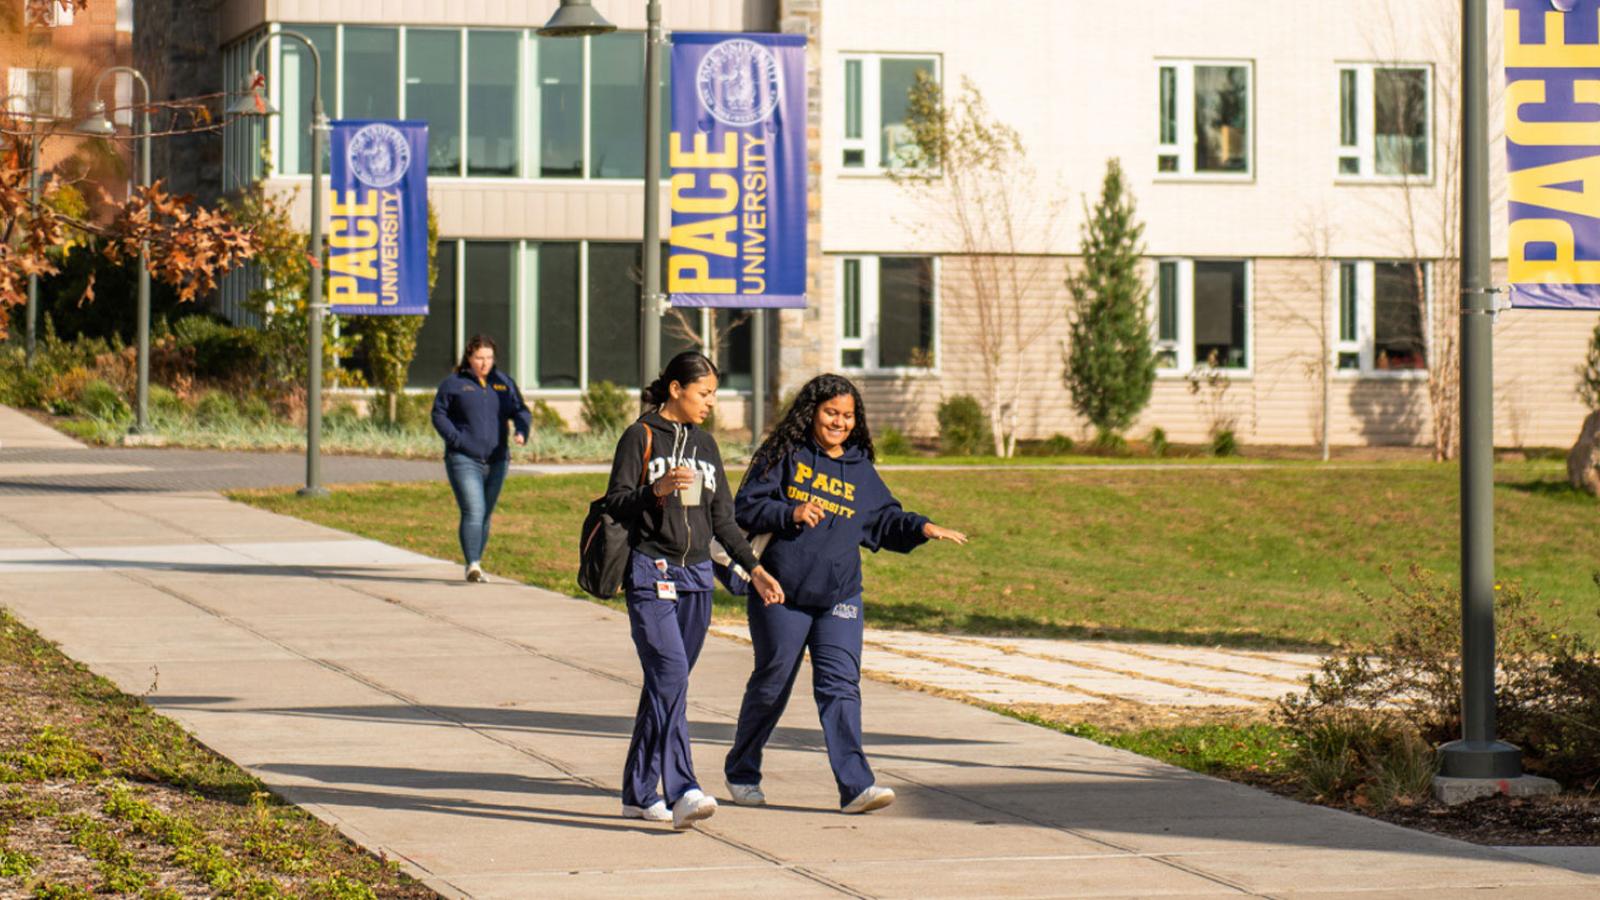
<point>813,487</point>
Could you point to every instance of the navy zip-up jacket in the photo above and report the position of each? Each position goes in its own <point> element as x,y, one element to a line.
<point>821,565</point>
<point>471,415</point>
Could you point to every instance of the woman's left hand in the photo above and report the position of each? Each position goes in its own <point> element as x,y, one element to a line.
<point>518,437</point>
<point>766,586</point>
<point>939,533</point>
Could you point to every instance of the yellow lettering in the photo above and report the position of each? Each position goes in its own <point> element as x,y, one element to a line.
<point>801,472</point>
<point>351,205</point>
<point>366,234</point>
<point>707,235</point>
<point>701,156</point>
<point>1534,186</point>
<point>728,201</point>
<point>1551,134</point>
<point>1555,52</point>
<point>688,273</point>
<point>849,491</point>
<point>343,290</point>
<point>358,264</point>
<point>1564,269</point>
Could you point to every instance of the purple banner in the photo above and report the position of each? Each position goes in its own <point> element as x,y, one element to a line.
<point>378,224</point>
<point>737,153</point>
<point>1552,63</point>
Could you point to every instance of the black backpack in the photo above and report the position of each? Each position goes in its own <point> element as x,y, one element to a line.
<point>603,545</point>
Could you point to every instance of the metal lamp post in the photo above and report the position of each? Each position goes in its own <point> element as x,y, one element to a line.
<point>98,125</point>
<point>1478,754</point>
<point>253,103</point>
<point>30,335</point>
<point>578,18</point>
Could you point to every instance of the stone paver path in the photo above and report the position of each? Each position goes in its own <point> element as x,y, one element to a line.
<point>1010,671</point>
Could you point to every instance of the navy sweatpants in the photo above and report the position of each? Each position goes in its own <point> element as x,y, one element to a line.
<point>668,635</point>
<point>781,634</point>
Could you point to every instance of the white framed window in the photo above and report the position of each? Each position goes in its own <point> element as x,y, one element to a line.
<point>1381,319</point>
<point>888,314</point>
<point>1385,124</point>
<point>44,93</point>
<point>1204,117</point>
<point>125,16</point>
<point>876,103</point>
<point>53,15</point>
<point>1201,315</point>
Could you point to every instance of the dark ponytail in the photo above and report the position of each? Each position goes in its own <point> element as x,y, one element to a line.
<point>686,368</point>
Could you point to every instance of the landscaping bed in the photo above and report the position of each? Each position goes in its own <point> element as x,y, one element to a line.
<point>100,795</point>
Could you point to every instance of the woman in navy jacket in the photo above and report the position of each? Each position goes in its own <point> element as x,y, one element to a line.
<point>470,412</point>
<point>813,487</point>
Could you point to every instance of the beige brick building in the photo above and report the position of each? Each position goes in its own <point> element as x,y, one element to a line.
<point>1290,162</point>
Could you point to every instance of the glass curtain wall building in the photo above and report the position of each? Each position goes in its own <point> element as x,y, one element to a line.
<point>506,109</point>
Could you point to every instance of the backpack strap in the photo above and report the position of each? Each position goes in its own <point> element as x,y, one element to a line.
<point>649,445</point>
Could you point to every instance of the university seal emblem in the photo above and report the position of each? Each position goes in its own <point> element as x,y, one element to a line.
<point>379,155</point>
<point>739,82</point>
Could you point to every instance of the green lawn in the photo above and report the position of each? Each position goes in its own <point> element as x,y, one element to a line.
<point>1192,554</point>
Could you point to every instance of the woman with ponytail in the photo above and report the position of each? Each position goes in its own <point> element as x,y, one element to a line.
<point>668,485</point>
<point>813,487</point>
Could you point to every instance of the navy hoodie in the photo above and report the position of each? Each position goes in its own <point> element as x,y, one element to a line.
<point>821,565</point>
<point>471,415</point>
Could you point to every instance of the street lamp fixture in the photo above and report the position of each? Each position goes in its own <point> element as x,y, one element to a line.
<point>30,340</point>
<point>97,125</point>
<point>577,18</point>
<point>252,102</point>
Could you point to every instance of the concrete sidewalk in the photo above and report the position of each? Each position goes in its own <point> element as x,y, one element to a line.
<point>477,733</point>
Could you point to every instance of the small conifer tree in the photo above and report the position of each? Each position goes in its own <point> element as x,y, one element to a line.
<point>1110,364</point>
<point>1589,374</point>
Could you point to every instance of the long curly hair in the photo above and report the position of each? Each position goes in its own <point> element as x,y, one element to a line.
<point>795,427</point>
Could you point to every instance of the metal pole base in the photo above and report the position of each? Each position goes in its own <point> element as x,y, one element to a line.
<point>312,493</point>
<point>1479,759</point>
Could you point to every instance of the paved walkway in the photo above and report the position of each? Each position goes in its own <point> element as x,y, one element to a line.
<point>476,732</point>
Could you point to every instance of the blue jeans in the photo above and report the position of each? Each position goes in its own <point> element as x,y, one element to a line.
<point>477,486</point>
<point>781,634</point>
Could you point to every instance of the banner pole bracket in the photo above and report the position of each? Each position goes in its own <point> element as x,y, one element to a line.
<point>1500,300</point>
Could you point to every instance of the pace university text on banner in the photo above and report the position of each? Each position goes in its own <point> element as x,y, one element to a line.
<point>1553,153</point>
<point>378,230</point>
<point>737,152</point>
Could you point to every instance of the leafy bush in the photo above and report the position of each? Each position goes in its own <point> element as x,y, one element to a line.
<point>255,408</point>
<point>606,407</point>
<point>890,442</point>
<point>166,404</point>
<point>1547,697</point>
<point>546,419</point>
<point>218,350</point>
<point>964,427</point>
<point>100,400</point>
<point>1223,443</point>
<point>1158,442</point>
<point>217,408</point>
<point>1363,758</point>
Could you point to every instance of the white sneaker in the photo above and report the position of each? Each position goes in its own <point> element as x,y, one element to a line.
<point>870,799</point>
<point>655,812</point>
<point>747,794</point>
<point>475,573</point>
<point>692,807</point>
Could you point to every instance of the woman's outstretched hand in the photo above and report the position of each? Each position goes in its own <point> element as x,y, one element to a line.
<point>808,514</point>
<point>939,533</point>
<point>768,587</point>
